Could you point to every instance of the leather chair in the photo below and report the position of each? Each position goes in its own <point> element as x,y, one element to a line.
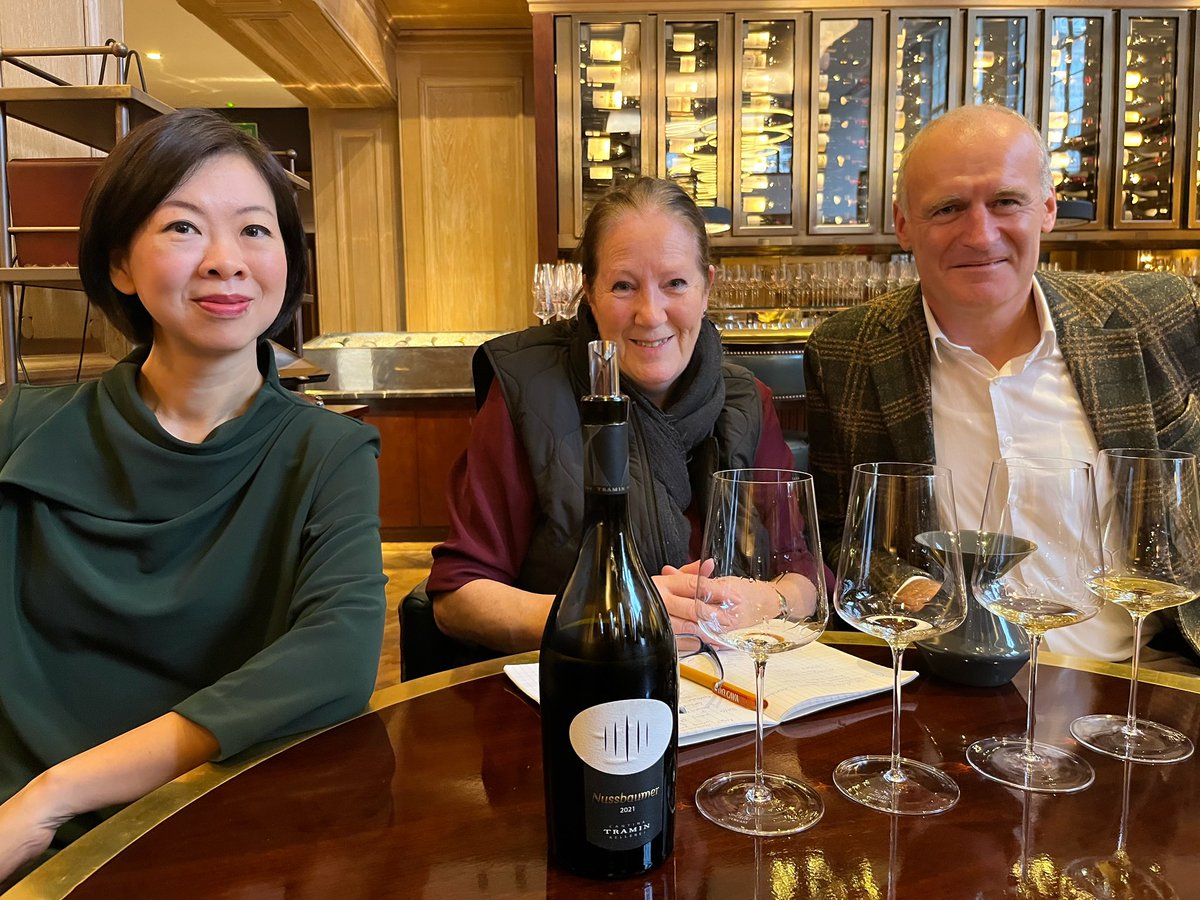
<point>425,648</point>
<point>782,370</point>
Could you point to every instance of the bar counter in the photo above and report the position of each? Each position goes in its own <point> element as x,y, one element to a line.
<point>437,791</point>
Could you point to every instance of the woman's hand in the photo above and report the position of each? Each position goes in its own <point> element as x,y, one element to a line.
<point>678,590</point>
<point>735,602</point>
<point>28,821</point>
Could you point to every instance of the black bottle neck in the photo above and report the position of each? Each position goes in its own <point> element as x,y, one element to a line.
<point>605,459</point>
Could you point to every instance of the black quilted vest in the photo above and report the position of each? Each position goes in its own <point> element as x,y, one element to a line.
<point>542,394</point>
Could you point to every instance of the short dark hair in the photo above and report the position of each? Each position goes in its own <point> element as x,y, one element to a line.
<point>147,165</point>
<point>643,193</point>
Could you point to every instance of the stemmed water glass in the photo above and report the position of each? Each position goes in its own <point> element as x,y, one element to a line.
<point>1050,503</point>
<point>1150,522</point>
<point>761,591</point>
<point>892,584</point>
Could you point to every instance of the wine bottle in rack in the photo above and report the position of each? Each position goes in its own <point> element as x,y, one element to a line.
<point>608,674</point>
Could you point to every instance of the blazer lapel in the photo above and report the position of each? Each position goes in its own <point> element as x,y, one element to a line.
<point>900,370</point>
<point>1106,366</point>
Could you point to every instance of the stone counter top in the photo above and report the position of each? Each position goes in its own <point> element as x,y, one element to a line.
<point>394,365</point>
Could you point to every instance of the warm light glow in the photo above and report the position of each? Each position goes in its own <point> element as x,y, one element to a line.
<point>683,42</point>
<point>153,54</point>
<point>754,204</point>
<point>757,40</point>
<point>605,51</point>
<point>603,74</point>
<point>1133,139</point>
<point>1133,80</point>
<point>606,99</point>
<point>984,59</point>
<point>687,65</point>
<point>599,149</point>
<point>1059,119</point>
<point>600,173</point>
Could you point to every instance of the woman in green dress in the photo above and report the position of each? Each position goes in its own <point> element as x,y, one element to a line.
<point>189,554</point>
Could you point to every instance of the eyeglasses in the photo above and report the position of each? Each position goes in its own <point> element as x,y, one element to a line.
<point>687,645</point>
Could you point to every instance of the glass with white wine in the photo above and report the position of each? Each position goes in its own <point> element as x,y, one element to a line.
<point>761,590</point>
<point>894,584</point>
<point>1150,523</point>
<point>1050,503</point>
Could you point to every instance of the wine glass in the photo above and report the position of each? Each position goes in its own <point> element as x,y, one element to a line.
<point>1150,523</point>
<point>892,584</point>
<point>1052,504</point>
<point>762,591</point>
<point>543,292</point>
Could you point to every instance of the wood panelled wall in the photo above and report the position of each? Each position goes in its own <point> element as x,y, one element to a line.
<point>61,23</point>
<point>355,183</point>
<point>467,179</point>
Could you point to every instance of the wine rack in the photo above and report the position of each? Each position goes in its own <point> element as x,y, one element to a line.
<point>1077,62</point>
<point>605,112</point>
<point>1001,58</point>
<point>1148,177</point>
<point>691,131</point>
<point>1194,155</point>
<point>765,180</point>
<point>794,123</point>
<point>924,83</point>
<point>845,96</point>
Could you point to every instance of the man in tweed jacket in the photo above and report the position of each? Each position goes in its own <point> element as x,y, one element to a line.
<point>973,199</point>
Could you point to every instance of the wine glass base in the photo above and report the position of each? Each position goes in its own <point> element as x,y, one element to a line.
<point>921,790</point>
<point>1117,877</point>
<point>1050,769</point>
<point>1147,742</point>
<point>789,806</point>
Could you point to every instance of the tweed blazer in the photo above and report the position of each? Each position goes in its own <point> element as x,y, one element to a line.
<point>1131,343</point>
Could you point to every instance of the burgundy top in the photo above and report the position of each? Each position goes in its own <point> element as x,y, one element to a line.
<point>493,500</point>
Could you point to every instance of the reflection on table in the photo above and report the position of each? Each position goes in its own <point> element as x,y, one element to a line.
<point>438,793</point>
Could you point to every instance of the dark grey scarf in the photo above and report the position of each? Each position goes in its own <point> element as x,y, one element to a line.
<point>673,449</point>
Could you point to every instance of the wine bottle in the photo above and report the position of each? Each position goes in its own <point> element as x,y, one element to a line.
<point>608,673</point>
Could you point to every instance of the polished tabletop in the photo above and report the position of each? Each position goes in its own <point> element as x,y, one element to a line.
<point>437,792</point>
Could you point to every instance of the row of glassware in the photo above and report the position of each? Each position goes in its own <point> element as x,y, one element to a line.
<point>1044,557</point>
<point>821,284</point>
<point>556,288</point>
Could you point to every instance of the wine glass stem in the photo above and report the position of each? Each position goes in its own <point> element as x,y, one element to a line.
<point>1035,641</point>
<point>894,774</point>
<point>1131,714</point>
<point>762,794</point>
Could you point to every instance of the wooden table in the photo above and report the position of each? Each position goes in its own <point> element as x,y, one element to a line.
<point>437,792</point>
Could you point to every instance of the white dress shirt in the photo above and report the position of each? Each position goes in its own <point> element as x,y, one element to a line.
<point>1027,407</point>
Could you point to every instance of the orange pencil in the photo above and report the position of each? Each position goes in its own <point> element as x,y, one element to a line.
<point>730,692</point>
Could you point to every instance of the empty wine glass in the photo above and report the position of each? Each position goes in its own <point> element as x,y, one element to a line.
<point>893,585</point>
<point>1050,503</point>
<point>1150,522</point>
<point>761,591</point>
<point>543,292</point>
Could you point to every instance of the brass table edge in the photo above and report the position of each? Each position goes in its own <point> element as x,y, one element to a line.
<point>1176,680</point>
<point>71,866</point>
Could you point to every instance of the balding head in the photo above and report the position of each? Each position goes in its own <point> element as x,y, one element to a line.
<point>968,123</point>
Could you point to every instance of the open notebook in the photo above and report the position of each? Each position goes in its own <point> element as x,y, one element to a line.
<point>798,682</point>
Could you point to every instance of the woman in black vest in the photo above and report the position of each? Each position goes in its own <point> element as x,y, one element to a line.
<point>516,495</point>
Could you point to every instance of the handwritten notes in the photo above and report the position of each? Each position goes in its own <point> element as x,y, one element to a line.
<point>798,682</point>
